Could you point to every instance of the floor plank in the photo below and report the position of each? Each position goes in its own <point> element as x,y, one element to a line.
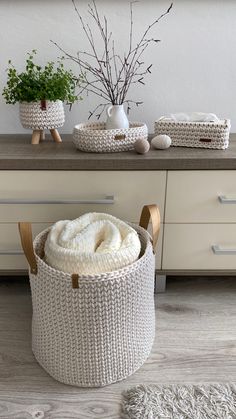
<point>195,342</point>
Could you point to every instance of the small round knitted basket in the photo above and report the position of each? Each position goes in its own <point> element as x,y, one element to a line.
<point>93,137</point>
<point>91,331</point>
<point>42,114</point>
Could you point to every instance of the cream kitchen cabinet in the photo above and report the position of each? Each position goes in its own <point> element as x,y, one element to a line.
<point>195,190</point>
<point>44,197</point>
<point>200,222</point>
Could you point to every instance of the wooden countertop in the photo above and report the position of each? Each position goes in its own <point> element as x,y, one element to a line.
<point>16,153</point>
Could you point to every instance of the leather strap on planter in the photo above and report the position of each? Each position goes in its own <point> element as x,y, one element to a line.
<point>75,281</point>
<point>151,212</point>
<point>27,245</point>
<point>43,105</point>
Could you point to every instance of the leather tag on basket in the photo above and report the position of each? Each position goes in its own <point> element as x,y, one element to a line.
<point>75,281</point>
<point>43,105</point>
<point>205,140</point>
<point>120,137</point>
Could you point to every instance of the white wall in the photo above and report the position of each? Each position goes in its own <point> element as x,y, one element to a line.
<point>194,67</point>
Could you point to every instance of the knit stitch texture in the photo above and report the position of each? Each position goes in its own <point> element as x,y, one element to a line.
<point>101,332</point>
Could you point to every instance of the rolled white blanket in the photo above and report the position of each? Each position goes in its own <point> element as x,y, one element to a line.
<point>92,244</point>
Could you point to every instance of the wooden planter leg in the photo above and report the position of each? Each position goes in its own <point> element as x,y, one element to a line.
<point>42,135</point>
<point>55,135</point>
<point>35,136</point>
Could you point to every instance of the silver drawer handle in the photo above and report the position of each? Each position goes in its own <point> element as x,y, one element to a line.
<point>107,200</point>
<point>218,250</point>
<point>10,252</point>
<point>224,200</point>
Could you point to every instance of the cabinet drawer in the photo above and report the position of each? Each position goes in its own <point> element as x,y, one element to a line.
<point>89,191</point>
<point>201,197</point>
<point>191,246</point>
<point>11,253</point>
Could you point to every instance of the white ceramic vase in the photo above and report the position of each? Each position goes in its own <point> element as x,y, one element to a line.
<point>116,117</point>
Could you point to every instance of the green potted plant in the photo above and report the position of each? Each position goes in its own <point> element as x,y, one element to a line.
<point>41,92</point>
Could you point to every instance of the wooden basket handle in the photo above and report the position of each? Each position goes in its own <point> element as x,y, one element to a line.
<point>151,212</point>
<point>27,245</point>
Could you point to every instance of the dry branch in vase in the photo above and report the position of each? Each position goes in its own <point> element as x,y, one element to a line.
<point>107,73</point>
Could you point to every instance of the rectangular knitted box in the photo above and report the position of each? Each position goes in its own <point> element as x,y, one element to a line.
<point>213,135</point>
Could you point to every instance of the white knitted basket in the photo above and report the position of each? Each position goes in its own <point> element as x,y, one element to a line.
<point>35,116</point>
<point>93,137</point>
<point>195,134</point>
<point>92,331</point>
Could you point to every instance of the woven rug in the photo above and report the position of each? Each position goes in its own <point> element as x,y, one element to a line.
<point>214,401</point>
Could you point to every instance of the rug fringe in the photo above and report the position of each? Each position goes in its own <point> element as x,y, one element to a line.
<point>202,401</point>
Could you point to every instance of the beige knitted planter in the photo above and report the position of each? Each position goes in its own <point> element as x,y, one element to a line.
<point>91,331</point>
<point>42,115</point>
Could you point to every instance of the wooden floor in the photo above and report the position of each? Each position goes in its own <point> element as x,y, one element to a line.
<point>195,342</point>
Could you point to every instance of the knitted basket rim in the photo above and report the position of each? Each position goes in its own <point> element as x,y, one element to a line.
<point>93,277</point>
<point>39,101</point>
<point>88,127</point>
<point>171,121</point>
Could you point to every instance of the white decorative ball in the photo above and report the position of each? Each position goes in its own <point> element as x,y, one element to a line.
<point>161,141</point>
<point>141,146</point>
